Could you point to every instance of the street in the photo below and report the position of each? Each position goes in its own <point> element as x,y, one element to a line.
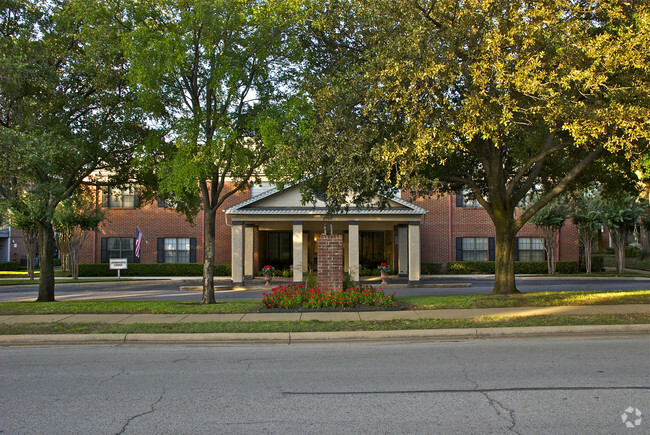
<point>495,386</point>
<point>170,289</point>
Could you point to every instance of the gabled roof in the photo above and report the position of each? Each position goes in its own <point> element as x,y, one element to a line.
<point>288,201</point>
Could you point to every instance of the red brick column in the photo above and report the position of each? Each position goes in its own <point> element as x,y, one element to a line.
<point>330,261</point>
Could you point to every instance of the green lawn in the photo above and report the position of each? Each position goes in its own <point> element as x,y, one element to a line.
<point>631,263</point>
<point>411,302</point>
<point>319,326</point>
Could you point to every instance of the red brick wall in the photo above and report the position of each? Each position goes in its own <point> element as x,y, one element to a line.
<point>473,222</point>
<point>330,261</point>
<point>155,222</point>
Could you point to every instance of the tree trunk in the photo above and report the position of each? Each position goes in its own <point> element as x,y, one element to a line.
<point>208,261</point>
<point>504,259</point>
<point>46,245</point>
<point>619,237</point>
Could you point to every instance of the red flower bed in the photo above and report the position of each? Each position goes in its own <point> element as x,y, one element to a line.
<point>298,297</point>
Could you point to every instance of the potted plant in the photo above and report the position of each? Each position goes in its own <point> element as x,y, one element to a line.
<point>385,270</point>
<point>267,271</point>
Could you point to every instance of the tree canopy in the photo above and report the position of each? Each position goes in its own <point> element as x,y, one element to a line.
<point>65,110</point>
<point>499,98</point>
<point>214,77</point>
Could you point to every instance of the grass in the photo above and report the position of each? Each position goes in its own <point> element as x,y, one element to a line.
<point>23,274</point>
<point>631,263</point>
<point>410,302</point>
<point>320,326</point>
<point>525,300</point>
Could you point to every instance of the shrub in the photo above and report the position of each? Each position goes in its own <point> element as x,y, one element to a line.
<point>369,272</point>
<point>9,265</point>
<point>521,267</point>
<point>298,297</point>
<point>431,268</point>
<point>632,252</point>
<point>153,269</point>
<point>597,263</point>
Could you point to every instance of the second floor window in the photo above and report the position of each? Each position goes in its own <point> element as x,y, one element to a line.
<point>114,197</point>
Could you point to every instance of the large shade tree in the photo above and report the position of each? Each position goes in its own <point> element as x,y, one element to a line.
<point>64,110</point>
<point>213,77</point>
<point>494,99</point>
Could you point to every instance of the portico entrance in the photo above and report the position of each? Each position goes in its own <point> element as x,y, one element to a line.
<point>275,228</point>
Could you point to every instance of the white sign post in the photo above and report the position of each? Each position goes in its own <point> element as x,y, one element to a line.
<point>118,264</point>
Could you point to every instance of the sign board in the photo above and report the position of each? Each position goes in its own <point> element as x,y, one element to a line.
<point>118,263</point>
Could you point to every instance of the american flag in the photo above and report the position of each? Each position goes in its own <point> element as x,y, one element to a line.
<point>138,241</point>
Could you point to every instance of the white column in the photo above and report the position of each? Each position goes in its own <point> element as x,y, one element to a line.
<point>297,251</point>
<point>414,251</point>
<point>237,253</point>
<point>249,253</point>
<point>353,250</point>
<point>402,237</point>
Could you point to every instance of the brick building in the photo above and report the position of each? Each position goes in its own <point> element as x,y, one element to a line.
<point>264,226</point>
<point>270,226</point>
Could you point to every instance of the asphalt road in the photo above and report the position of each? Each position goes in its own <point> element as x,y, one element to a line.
<point>495,386</point>
<point>170,289</point>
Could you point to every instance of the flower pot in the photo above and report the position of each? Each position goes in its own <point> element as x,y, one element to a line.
<point>384,277</point>
<point>267,279</point>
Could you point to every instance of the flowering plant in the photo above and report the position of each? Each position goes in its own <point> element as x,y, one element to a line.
<point>268,270</point>
<point>298,297</point>
<point>384,267</point>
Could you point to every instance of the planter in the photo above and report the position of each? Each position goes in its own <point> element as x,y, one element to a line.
<point>384,277</point>
<point>267,279</point>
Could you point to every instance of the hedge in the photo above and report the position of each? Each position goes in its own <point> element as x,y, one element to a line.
<point>9,265</point>
<point>597,263</point>
<point>153,269</point>
<point>521,267</point>
<point>431,268</point>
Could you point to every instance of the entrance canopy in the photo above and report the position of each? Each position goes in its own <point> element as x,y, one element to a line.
<point>264,225</point>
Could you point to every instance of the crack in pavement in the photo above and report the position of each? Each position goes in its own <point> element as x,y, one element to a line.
<point>153,409</point>
<point>510,418</point>
<point>121,372</point>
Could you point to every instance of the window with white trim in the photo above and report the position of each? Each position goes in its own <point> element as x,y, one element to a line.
<point>177,250</point>
<point>530,249</point>
<point>475,249</point>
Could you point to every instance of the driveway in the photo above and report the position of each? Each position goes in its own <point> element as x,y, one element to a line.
<point>168,289</point>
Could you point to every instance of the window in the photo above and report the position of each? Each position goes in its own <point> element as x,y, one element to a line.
<point>463,200</point>
<point>120,198</point>
<point>177,250</point>
<point>530,249</point>
<point>118,247</point>
<point>475,249</point>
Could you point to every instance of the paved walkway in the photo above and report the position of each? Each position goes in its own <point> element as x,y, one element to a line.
<point>328,316</point>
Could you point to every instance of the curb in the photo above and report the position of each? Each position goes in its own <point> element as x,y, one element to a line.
<point>203,339</point>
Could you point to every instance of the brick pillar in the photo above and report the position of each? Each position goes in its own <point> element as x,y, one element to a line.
<point>330,261</point>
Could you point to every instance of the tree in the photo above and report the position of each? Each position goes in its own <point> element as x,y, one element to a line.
<point>550,219</point>
<point>497,98</point>
<point>587,215</point>
<point>620,215</point>
<point>64,110</point>
<point>211,75</point>
<point>29,229</point>
<point>73,219</point>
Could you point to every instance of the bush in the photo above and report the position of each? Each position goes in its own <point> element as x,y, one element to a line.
<point>521,267</point>
<point>369,272</point>
<point>153,269</point>
<point>431,268</point>
<point>632,252</point>
<point>597,263</point>
<point>9,265</point>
